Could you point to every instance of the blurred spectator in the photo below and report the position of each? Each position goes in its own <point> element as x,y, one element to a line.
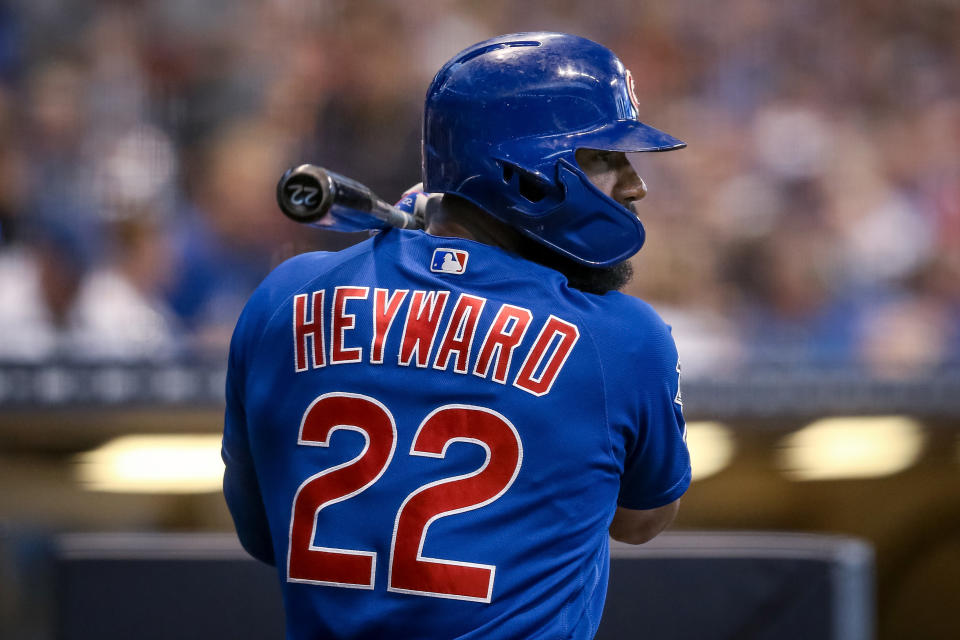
<point>905,338</point>
<point>60,182</point>
<point>55,304</point>
<point>230,234</point>
<point>10,44</point>
<point>39,284</point>
<point>791,311</point>
<point>13,171</point>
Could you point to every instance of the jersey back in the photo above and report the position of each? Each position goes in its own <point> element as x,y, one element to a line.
<point>440,432</point>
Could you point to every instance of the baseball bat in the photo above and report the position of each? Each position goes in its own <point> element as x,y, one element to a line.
<point>317,196</point>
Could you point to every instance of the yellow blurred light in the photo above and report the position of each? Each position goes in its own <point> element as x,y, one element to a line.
<point>856,447</point>
<point>154,464</point>
<point>711,448</point>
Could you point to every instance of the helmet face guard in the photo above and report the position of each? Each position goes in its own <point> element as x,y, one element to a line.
<point>502,122</point>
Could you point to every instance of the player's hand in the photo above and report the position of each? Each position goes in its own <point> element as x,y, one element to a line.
<point>414,201</point>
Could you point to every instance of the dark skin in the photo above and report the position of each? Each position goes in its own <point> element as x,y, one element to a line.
<point>612,173</point>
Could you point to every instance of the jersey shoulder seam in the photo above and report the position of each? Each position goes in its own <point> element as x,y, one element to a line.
<point>263,329</point>
<point>603,380</point>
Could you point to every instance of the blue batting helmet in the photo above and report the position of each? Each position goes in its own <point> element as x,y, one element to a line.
<point>502,122</point>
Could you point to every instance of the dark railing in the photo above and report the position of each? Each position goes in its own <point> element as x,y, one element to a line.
<point>759,392</point>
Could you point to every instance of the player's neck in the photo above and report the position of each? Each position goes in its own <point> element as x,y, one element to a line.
<point>457,218</point>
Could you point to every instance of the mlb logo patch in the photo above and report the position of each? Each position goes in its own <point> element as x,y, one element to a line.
<point>449,261</point>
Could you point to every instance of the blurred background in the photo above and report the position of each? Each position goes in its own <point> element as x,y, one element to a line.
<point>805,247</point>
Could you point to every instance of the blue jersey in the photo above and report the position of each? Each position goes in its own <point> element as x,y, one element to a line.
<point>429,437</point>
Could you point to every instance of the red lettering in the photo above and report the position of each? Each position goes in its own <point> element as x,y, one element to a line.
<point>308,327</point>
<point>342,321</point>
<point>499,343</point>
<point>384,312</point>
<point>539,385</point>
<point>459,334</point>
<point>420,328</point>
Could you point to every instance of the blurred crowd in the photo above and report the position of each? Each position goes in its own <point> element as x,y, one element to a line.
<point>813,221</point>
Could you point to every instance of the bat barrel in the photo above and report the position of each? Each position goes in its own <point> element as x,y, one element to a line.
<point>305,193</point>
<point>313,195</point>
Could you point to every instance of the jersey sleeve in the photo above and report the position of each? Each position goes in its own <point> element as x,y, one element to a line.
<point>241,486</point>
<point>241,489</point>
<point>656,462</point>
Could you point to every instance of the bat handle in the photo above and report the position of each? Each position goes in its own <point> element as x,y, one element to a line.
<point>394,217</point>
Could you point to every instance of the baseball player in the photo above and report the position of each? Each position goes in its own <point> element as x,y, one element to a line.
<point>432,433</point>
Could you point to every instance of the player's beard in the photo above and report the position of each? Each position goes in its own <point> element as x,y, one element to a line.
<point>597,280</point>
<point>600,280</point>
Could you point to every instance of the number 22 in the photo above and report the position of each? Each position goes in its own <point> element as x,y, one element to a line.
<point>410,571</point>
